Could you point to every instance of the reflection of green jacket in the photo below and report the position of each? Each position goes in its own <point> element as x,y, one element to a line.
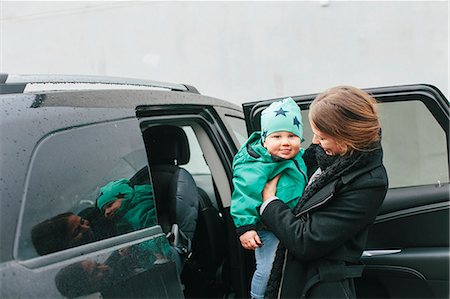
<point>137,209</point>
<point>253,166</point>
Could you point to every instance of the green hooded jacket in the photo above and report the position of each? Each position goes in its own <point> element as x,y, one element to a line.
<point>253,166</point>
<point>137,209</point>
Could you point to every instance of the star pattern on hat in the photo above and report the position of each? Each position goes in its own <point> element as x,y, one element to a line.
<point>264,134</point>
<point>297,122</point>
<point>280,112</point>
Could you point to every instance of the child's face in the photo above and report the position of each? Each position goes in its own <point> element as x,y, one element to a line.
<point>283,144</point>
<point>111,207</point>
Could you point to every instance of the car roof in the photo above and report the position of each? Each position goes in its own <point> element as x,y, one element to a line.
<point>19,83</point>
<point>128,99</point>
<point>49,107</point>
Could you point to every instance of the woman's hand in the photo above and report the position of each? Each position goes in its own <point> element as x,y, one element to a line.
<point>270,189</point>
<point>250,240</point>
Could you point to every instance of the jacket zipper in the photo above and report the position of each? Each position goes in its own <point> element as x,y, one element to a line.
<point>316,205</point>
<point>298,167</point>
<point>282,274</point>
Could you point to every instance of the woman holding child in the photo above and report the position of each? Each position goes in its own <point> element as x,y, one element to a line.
<point>323,237</point>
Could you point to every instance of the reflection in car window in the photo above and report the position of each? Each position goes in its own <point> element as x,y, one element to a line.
<point>136,263</point>
<point>65,178</point>
<point>130,207</point>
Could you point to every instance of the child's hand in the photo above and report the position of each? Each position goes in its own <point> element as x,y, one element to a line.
<point>250,240</point>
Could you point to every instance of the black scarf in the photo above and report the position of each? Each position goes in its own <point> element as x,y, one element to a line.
<point>332,167</point>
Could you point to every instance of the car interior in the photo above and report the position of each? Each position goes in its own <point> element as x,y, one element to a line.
<point>183,204</point>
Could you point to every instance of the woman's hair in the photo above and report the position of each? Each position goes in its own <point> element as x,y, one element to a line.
<point>347,114</point>
<point>52,234</point>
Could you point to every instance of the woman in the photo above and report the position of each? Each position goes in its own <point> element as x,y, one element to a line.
<point>322,240</point>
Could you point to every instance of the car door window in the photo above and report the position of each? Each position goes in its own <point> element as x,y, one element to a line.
<point>415,146</point>
<point>197,166</point>
<point>237,125</point>
<point>69,170</point>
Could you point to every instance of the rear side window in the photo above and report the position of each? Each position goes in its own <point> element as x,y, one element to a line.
<point>415,146</point>
<point>414,137</point>
<point>67,172</point>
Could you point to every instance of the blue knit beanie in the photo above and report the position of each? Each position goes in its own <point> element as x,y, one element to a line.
<point>282,115</point>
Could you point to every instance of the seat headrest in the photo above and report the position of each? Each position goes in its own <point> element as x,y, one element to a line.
<point>167,145</point>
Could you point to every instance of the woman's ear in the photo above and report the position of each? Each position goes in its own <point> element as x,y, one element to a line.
<point>344,148</point>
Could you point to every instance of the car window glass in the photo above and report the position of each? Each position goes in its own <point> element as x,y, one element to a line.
<point>237,124</point>
<point>415,146</point>
<point>69,170</point>
<point>197,166</point>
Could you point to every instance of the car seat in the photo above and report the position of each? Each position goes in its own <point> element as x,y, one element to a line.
<point>204,274</point>
<point>176,194</point>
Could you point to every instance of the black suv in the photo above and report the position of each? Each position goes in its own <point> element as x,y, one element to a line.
<point>66,139</point>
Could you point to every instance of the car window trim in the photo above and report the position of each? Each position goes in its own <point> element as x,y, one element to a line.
<point>83,251</point>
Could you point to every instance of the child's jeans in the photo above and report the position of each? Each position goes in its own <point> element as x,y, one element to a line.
<point>264,256</point>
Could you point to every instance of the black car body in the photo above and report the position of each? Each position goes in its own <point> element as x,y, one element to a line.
<point>58,147</point>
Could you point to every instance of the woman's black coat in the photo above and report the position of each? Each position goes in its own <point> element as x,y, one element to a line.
<point>330,228</point>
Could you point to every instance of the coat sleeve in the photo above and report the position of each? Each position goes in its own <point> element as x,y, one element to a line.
<point>350,211</point>
<point>248,182</point>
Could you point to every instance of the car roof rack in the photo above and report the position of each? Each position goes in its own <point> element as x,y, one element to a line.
<point>17,83</point>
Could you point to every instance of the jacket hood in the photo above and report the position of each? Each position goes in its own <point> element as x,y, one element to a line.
<point>252,150</point>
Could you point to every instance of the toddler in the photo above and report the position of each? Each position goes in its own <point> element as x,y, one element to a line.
<point>275,150</point>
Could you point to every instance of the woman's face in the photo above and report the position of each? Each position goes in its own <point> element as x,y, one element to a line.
<point>328,143</point>
<point>79,229</point>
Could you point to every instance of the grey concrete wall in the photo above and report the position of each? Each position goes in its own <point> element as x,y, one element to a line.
<point>238,51</point>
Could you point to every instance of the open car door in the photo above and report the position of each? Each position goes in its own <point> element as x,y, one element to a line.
<point>407,252</point>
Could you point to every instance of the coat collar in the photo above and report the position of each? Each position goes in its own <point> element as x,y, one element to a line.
<point>377,161</point>
<point>319,198</point>
<point>326,192</point>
